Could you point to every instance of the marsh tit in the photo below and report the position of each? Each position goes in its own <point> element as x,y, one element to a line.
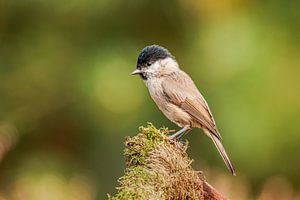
<point>176,95</point>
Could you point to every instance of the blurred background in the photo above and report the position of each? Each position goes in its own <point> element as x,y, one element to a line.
<point>67,99</point>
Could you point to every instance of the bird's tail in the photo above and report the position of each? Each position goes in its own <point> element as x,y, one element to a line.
<point>222,151</point>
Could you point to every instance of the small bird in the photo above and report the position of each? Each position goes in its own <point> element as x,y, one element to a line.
<point>176,95</point>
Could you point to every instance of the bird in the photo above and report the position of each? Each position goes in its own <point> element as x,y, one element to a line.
<point>177,96</point>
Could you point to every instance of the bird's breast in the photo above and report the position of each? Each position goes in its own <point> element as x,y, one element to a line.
<point>171,111</point>
<point>154,86</point>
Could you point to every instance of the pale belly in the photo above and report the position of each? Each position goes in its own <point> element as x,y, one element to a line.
<point>171,111</point>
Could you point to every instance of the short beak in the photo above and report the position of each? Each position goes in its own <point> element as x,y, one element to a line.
<point>136,71</point>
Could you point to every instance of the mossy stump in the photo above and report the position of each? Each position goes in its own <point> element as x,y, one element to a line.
<point>159,168</point>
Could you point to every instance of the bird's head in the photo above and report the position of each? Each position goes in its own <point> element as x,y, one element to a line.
<point>155,61</point>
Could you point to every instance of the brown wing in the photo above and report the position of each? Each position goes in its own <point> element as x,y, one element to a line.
<point>182,92</point>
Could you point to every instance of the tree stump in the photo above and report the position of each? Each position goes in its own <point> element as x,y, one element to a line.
<point>159,168</point>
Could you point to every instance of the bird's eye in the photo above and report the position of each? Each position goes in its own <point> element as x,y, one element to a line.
<point>148,64</point>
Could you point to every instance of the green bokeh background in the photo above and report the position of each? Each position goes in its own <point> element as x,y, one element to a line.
<point>67,99</point>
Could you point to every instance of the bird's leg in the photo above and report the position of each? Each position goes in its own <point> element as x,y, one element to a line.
<point>183,134</point>
<point>180,133</point>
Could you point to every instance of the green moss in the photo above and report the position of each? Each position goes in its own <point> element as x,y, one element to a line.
<point>157,168</point>
<point>138,147</point>
<point>138,181</point>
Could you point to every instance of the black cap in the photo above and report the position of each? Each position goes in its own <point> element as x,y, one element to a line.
<point>152,53</point>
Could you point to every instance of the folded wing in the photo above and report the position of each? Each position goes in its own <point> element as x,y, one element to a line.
<point>182,92</point>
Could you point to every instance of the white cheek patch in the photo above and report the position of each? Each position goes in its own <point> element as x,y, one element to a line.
<point>154,68</point>
<point>169,64</point>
